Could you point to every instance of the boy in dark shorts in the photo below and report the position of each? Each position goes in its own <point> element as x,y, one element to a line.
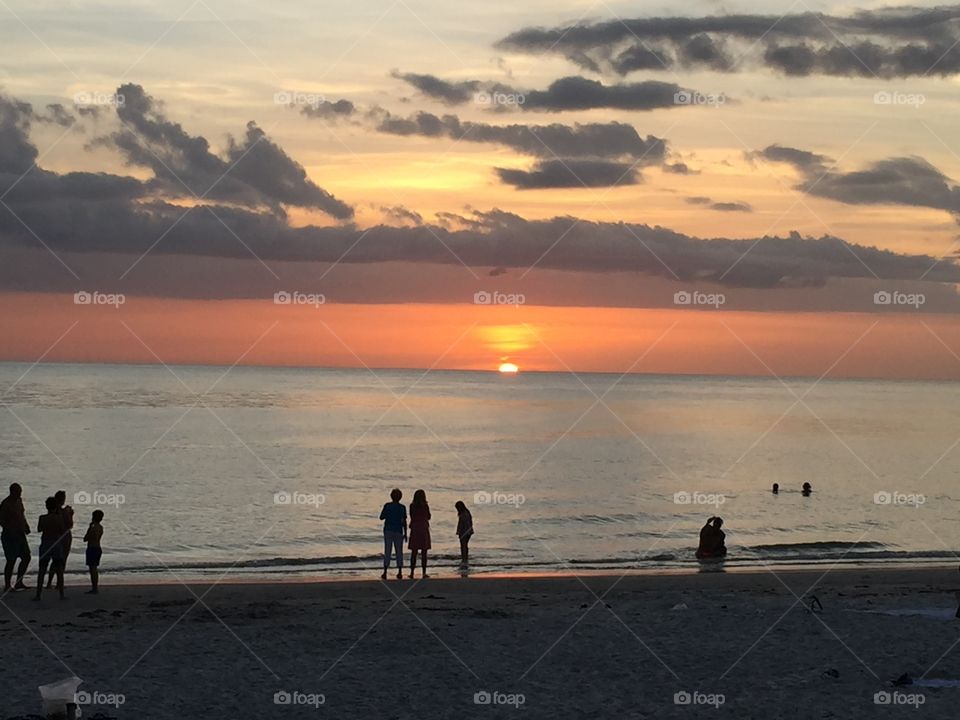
<point>94,551</point>
<point>13,520</point>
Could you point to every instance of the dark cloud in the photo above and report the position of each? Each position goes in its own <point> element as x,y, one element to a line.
<point>330,110</point>
<point>720,206</point>
<point>731,207</point>
<point>571,173</point>
<point>887,42</point>
<point>893,181</point>
<point>679,168</point>
<point>252,172</point>
<point>567,93</point>
<point>402,214</point>
<point>588,140</point>
<point>17,153</point>
<point>452,93</point>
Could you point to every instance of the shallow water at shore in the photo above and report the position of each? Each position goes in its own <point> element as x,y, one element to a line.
<point>265,472</point>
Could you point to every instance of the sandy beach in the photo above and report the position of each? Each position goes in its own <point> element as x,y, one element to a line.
<point>744,645</point>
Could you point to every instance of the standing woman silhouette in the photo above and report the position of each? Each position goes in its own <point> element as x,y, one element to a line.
<point>419,531</point>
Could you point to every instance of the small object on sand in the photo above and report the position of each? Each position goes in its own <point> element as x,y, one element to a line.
<point>58,695</point>
<point>815,605</point>
<point>680,606</point>
<point>904,679</point>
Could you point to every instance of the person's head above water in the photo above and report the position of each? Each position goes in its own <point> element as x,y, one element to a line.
<point>776,487</point>
<point>807,486</point>
<point>15,490</point>
<point>395,494</point>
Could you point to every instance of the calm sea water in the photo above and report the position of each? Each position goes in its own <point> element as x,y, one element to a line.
<point>282,472</point>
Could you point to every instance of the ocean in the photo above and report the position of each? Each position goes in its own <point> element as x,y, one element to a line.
<point>279,473</point>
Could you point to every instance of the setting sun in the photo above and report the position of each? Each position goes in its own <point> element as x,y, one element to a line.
<point>509,368</point>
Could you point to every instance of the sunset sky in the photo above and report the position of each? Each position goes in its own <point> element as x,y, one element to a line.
<point>762,188</point>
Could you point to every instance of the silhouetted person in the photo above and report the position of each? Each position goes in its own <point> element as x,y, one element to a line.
<point>94,551</point>
<point>51,529</point>
<point>807,489</point>
<point>419,531</point>
<point>712,540</point>
<point>776,488</point>
<point>464,531</point>
<point>66,512</point>
<point>13,520</point>
<point>394,516</point>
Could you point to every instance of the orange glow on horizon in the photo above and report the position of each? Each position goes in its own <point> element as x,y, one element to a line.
<point>464,337</point>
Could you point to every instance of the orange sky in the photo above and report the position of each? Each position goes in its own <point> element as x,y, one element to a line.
<point>480,337</point>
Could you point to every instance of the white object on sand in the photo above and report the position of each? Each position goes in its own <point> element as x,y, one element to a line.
<point>55,697</point>
<point>680,606</point>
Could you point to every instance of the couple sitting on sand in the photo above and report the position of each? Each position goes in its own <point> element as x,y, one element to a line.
<point>712,540</point>
<point>394,516</point>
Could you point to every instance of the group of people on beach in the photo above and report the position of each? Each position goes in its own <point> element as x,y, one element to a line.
<point>394,516</point>
<point>56,540</point>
